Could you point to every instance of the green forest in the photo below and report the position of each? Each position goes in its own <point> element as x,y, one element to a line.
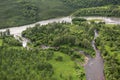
<point>18,63</point>
<point>61,60</point>
<point>58,51</point>
<point>20,12</point>
<point>78,36</point>
<point>109,11</point>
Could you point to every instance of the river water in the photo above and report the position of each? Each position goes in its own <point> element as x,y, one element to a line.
<point>18,30</point>
<point>95,66</point>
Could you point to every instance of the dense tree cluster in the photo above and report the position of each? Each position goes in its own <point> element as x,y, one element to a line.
<point>99,11</point>
<point>29,10</point>
<point>58,34</point>
<point>65,36</point>
<point>109,42</point>
<point>89,3</point>
<point>78,20</point>
<point>17,63</point>
<point>20,64</point>
<point>23,12</point>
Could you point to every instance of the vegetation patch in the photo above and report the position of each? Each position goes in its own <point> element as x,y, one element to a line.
<point>72,38</point>
<point>1,42</point>
<point>108,11</point>
<point>23,12</point>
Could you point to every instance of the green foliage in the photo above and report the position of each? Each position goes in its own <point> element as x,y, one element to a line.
<point>10,41</point>
<point>21,12</point>
<point>109,44</point>
<point>17,63</point>
<point>65,69</point>
<point>67,36</point>
<point>89,3</point>
<point>29,10</point>
<point>78,20</point>
<point>67,39</point>
<point>99,11</point>
<point>58,34</point>
<point>59,58</point>
<point>22,64</point>
<point>1,42</point>
<point>49,64</point>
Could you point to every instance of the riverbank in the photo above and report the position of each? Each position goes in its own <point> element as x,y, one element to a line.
<point>18,30</point>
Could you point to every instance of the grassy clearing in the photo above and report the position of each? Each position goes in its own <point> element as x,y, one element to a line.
<point>64,70</point>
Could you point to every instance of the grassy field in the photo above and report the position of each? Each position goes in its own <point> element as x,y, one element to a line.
<point>64,70</point>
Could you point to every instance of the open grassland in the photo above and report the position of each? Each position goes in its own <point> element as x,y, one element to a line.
<point>64,69</point>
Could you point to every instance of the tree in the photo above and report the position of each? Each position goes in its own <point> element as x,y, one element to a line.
<point>7,32</point>
<point>29,10</point>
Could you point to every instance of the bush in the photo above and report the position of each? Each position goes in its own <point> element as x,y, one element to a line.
<point>59,58</point>
<point>78,20</point>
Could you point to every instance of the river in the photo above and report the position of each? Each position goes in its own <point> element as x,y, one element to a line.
<point>95,66</point>
<point>18,30</point>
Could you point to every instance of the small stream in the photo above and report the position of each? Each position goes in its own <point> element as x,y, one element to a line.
<point>95,67</point>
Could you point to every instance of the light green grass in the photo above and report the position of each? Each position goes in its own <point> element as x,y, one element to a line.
<point>112,53</point>
<point>64,68</point>
<point>99,20</point>
<point>1,42</point>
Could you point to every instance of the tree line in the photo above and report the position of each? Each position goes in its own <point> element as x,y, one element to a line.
<point>108,11</point>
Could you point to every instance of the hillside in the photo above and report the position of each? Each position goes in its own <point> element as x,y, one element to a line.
<point>90,3</point>
<point>21,12</point>
<point>109,11</point>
